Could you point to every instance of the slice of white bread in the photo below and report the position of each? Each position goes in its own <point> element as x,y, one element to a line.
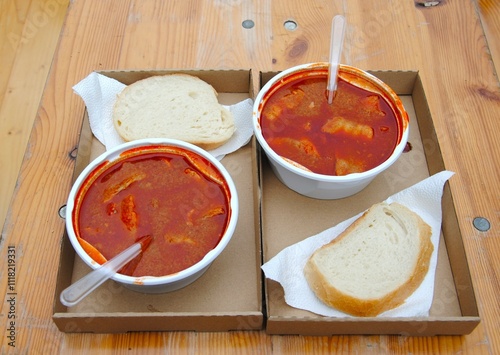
<point>177,106</point>
<point>375,264</point>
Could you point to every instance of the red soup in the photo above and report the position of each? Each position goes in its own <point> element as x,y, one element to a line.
<point>356,133</point>
<point>177,197</point>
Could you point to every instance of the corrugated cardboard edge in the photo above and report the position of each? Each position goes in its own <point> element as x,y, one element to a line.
<point>241,81</point>
<point>372,326</point>
<point>403,83</point>
<point>450,225</point>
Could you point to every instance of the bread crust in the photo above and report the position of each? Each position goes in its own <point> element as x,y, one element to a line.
<point>370,307</point>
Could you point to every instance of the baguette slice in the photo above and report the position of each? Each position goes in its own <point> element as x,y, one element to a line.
<point>177,106</point>
<point>375,264</point>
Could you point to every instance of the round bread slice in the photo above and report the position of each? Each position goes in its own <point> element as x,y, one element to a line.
<point>177,106</point>
<point>375,264</point>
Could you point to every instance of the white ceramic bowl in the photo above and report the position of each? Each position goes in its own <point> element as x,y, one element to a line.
<point>149,284</point>
<point>318,185</point>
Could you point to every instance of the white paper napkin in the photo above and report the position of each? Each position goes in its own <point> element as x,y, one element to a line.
<point>424,198</point>
<point>99,94</point>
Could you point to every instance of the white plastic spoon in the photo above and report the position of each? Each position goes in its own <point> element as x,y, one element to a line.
<point>80,289</point>
<point>337,41</point>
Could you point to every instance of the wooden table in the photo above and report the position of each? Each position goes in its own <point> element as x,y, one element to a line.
<point>445,43</point>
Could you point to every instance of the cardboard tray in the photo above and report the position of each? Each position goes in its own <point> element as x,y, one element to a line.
<point>288,218</point>
<point>227,297</point>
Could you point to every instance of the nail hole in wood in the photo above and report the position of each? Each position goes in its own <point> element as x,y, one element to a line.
<point>481,224</point>
<point>424,3</point>
<point>73,153</point>
<point>248,24</point>
<point>290,25</point>
<point>62,212</point>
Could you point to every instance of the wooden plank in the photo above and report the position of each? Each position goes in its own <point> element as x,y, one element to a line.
<point>27,44</point>
<point>463,96</point>
<point>489,12</point>
<point>12,18</point>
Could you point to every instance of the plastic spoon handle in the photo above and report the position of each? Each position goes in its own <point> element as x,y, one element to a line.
<point>337,41</point>
<point>80,289</point>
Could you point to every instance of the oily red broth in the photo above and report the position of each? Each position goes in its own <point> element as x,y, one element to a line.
<point>356,133</point>
<point>182,202</point>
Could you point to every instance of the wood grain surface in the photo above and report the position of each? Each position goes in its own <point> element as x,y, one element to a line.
<point>29,33</point>
<point>453,45</point>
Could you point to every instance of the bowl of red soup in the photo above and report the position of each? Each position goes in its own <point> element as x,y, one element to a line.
<point>329,151</point>
<point>174,191</point>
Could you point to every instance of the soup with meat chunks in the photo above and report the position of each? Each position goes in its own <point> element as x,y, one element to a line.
<point>355,133</point>
<point>175,196</point>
